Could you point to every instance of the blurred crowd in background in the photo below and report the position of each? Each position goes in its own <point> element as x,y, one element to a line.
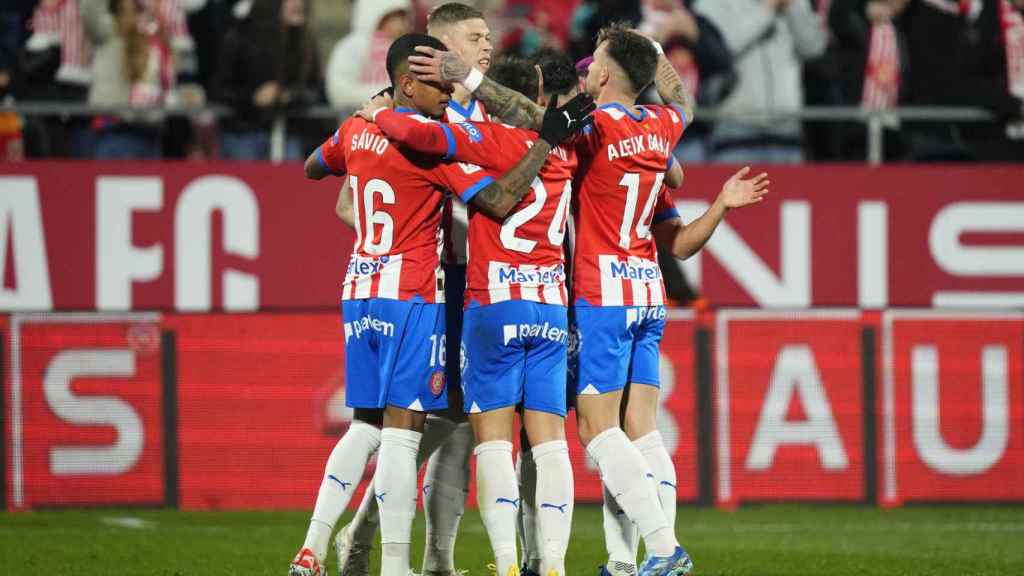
<point>262,59</point>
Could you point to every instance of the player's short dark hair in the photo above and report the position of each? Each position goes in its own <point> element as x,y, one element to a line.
<point>515,73</point>
<point>405,46</point>
<point>632,52</point>
<point>452,13</point>
<point>557,68</point>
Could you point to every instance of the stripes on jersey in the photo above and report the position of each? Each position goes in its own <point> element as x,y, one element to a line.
<point>369,277</point>
<point>456,215</point>
<point>544,284</point>
<point>641,276</point>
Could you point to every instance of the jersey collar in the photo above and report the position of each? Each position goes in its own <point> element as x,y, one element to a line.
<point>405,110</point>
<point>466,112</point>
<point>626,111</point>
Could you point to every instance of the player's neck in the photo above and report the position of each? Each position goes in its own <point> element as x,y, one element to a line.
<point>402,102</point>
<point>462,96</point>
<point>612,96</point>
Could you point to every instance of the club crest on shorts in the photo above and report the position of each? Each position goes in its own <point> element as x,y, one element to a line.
<point>437,383</point>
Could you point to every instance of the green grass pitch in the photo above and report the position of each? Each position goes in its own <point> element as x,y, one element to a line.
<point>755,540</point>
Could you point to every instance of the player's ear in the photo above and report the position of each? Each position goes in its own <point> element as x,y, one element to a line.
<point>407,84</point>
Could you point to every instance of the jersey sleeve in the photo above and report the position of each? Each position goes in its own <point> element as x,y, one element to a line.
<point>331,153</point>
<point>664,207</point>
<point>488,144</point>
<point>426,137</point>
<point>464,179</point>
<point>587,139</point>
<point>673,122</point>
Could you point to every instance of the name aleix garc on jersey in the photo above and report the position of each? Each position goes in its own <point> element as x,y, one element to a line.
<point>634,145</point>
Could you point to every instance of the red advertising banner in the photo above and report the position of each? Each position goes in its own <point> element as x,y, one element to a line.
<point>952,425</point>
<point>788,406</point>
<point>260,405</point>
<point>85,407</point>
<point>241,237</point>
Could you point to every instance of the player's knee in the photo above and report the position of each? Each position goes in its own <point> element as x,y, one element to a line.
<point>638,423</point>
<point>589,427</point>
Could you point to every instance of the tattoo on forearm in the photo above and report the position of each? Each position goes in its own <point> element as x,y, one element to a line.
<point>502,195</point>
<point>670,88</point>
<point>453,69</point>
<point>509,105</point>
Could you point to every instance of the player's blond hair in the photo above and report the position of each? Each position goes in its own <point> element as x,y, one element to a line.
<point>450,13</point>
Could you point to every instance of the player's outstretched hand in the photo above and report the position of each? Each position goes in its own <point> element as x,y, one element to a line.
<point>371,106</point>
<point>438,66</point>
<point>561,122</point>
<point>739,190</point>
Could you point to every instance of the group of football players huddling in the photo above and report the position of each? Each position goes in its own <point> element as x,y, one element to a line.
<point>523,144</point>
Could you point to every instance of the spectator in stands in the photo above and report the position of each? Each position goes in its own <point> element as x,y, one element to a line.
<point>269,63</point>
<point>697,50</point>
<point>11,147</point>
<point>993,64</point>
<point>133,66</point>
<point>56,66</point>
<point>592,15</point>
<point>872,61</point>
<point>770,40</point>
<point>933,30</point>
<point>355,69</point>
<point>822,139</point>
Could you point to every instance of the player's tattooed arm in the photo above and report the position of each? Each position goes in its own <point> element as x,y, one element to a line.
<point>671,89</point>
<point>498,198</point>
<point>509,105</point>
<point>444,67</point>
<point>685,240</point>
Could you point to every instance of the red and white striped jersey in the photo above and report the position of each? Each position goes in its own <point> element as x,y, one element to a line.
<point>396,199</point>
<point>619,195</point>
<point>61,23</point>
<point>520,258</point>
<point>457,219</point>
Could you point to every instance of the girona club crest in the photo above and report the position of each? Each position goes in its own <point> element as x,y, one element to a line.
<point>437,383</point>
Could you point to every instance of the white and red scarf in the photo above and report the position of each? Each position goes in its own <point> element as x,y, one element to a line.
<point>882,73</point>
<point>1013,42</point>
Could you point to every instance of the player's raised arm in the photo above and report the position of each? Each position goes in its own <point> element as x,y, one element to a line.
<point>447,67</point>
<point>498,198</point>
<point>328,159</point>
<point>670,86</point>
<point>313,168</point>
<point>686,239</point>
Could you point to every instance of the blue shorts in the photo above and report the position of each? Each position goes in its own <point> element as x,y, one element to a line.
<point>515,352</point>
<point>394,354</point>
<point>615,345</point>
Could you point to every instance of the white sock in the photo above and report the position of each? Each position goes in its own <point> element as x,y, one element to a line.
<point>344,470</point>
<point>445,486</point>
<point>498,497</point>
<point>364,524</point>
<point>396,492</point>
<point>620,537</point>
<point>624,471</point>
<point>526,470</point>
<point>554,504</point>
<point>653,449</point>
